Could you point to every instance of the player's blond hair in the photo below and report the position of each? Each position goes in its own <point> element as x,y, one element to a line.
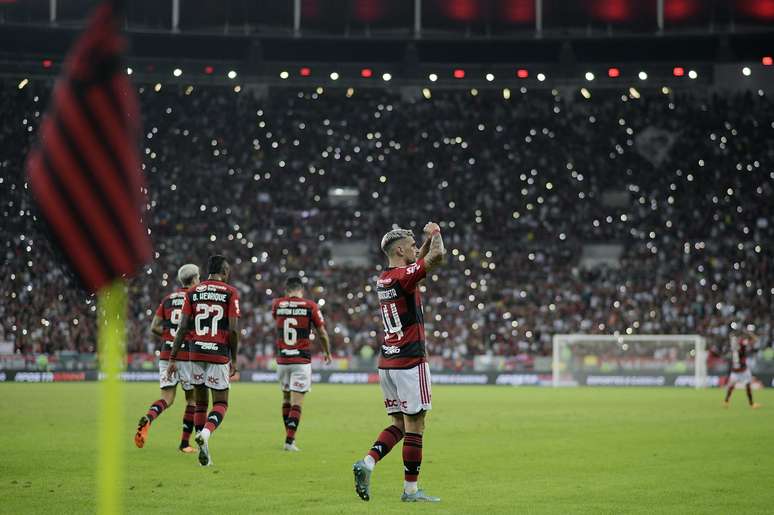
<point>187,273</point>
<point>393,236</point>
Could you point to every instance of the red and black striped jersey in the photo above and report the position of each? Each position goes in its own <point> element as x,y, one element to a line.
<point>401,309</point>
<point>739,356</point>
<point>170,311</point>
<point>210,304</point>
<point>294,318</point>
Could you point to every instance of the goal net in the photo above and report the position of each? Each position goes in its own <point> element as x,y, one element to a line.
<point>629,360</point>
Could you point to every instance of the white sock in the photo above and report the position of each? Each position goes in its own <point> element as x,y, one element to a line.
<point>410,487</point>
<point>370,462</point>
<point>205,434</point>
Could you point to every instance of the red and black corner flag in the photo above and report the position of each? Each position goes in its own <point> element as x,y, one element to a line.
<point>84,171</point>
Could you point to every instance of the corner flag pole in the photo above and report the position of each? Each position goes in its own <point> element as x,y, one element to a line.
<point>111,300</point>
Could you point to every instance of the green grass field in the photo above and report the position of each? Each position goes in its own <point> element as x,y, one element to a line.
<point>487,450</point>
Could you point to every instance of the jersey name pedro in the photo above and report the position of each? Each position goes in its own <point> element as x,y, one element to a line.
<point>400,304</point>
<point>209,305</point>
<point>294,318</point>
<point>170,311</point>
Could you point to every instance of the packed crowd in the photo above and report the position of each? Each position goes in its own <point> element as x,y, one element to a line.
<point>519,186</point>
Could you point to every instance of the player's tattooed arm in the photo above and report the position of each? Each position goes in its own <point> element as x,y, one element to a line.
<point>156,326</point>
<point>436,255</point>
<point>325,343</point>
<point>425,248</point>
<point>233,343</point>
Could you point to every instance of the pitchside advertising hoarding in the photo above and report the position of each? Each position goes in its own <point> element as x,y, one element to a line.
<point>439,378</point>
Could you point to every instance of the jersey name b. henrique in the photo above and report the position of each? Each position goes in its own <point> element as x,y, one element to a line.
<point>294,318</point>
<point>170,311</point>
<point>209,305</point>
<point>400,304</point>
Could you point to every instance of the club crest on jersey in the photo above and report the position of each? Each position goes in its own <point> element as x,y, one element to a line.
<point>389,350</point>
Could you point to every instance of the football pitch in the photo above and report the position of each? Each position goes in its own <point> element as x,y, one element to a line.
<point>486,450</point>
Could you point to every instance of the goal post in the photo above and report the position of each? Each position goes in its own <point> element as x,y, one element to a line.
<point>629,360</point>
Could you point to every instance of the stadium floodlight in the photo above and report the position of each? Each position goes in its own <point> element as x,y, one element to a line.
<point>613,72</point>
<point>432,77</point>
<point>23,83</point>
<point>523,73</point>
<point>386,77</point>
<point>129,70</point>
<point>177,72</point>
<point>629,360</point>
<point>284,74</point>
<point>643,75</point>
<point>692,74</point>
<point>459,73</point>
<point>490,77</point>
<point>305,71</point>
<point>427,93</point>
<point>634,93</point>
<point>767,60</point>
<point>231,74</point>
<point>746,71</point>
<point>678,71</point>
<point>366,73</point>
<point>506,93</point>
<point>334,76</point>
<point>589,76</point>
<point>586,93</point>
<point>541,77</point>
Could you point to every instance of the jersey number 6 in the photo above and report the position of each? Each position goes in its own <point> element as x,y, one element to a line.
<point>289,329</point>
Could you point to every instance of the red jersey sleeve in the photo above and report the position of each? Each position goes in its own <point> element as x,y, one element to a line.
<point>233,304</point>
<point>317,317</point>
<point>187,309</point>
<point>412,274</point>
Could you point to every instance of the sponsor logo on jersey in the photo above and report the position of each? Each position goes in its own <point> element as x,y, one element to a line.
<point>207,345</point>
<point>389,350</point>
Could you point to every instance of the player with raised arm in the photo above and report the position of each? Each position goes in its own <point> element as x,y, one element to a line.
<point>404,374</point>
<point>740,373</point>
<point>210,327</point>
<point>164,325</point>
<point>295,317</point>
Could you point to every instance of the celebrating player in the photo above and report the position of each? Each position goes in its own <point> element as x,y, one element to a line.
<point>404,374</point>
<point>210,327</point>
<point>740,373</point>
<point>295,316</point>
<point>164,324</point>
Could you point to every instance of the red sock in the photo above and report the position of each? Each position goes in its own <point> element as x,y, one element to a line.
<point>294,418</point>
<point>285,413</point>
<point>216,416</point>
<point>156,409</point>
<point>188,425</point>
<point>412,456</point>
<point>200,416</point>
<point>385,442</point>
